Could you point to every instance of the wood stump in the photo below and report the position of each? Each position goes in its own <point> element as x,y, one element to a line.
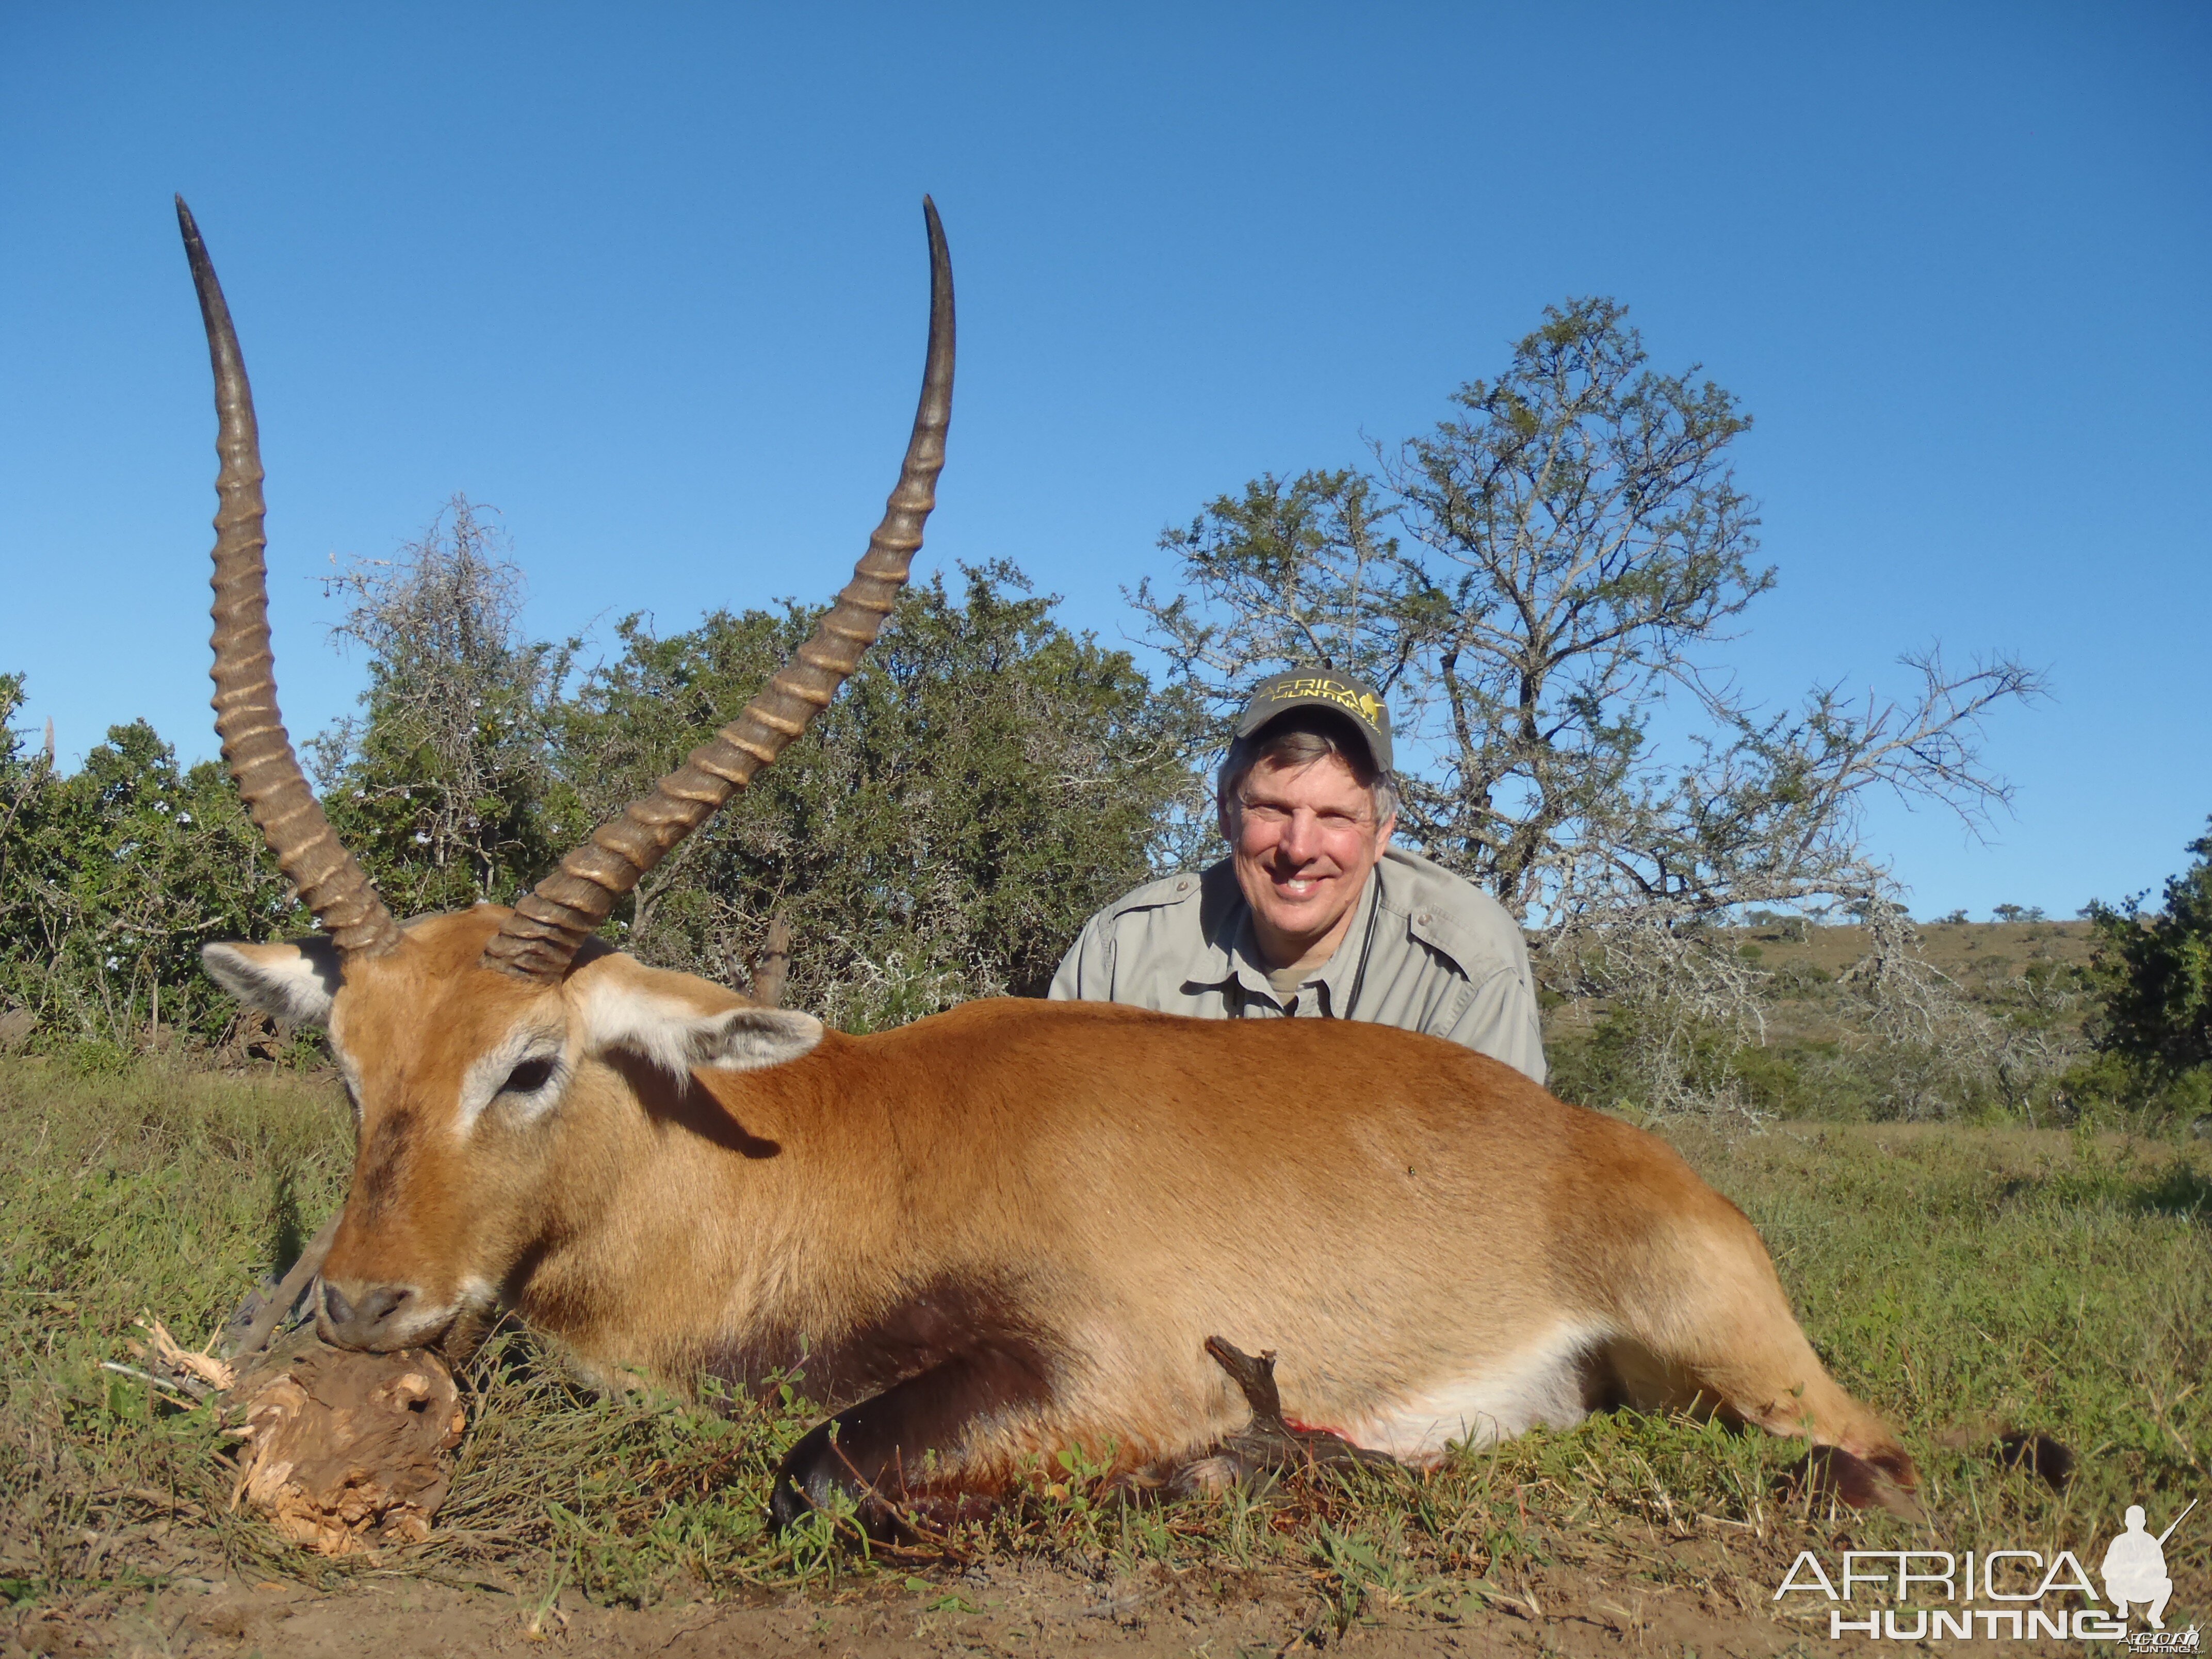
<point>344,1451</point>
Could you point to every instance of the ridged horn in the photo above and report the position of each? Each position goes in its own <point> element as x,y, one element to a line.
<point>254,741</point>
<point>552,921</point>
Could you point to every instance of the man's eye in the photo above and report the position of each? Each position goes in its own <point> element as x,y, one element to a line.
<point>528,1078</point>
<point>1266,814</point>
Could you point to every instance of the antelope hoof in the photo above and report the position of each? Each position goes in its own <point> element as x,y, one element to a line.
<point>1233,1467</point>
<point>1858,1483</point>
<point>1267,1445</point>
<point>815,1475</point>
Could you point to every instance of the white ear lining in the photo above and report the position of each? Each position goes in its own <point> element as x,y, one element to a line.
<point>297,983</point>
<point>679,1038</point>
<point>747,1039</point>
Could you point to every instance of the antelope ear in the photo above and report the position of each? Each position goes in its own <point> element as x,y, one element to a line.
<point>676,1033</point>
<point>682,1024</point>
<point>295,983</point>
<point>748,1039</point>
<point>679,1041</point>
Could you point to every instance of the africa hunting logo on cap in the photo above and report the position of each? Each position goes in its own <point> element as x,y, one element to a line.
<point>1321,688</point>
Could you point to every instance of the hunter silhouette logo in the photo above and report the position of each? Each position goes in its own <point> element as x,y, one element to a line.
<point>2134,1569</point>
<point>2002,1594</point>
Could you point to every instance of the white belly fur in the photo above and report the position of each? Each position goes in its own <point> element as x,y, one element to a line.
<point>1541,1383</point>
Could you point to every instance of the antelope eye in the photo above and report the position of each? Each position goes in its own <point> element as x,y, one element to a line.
<point>528,1078</point>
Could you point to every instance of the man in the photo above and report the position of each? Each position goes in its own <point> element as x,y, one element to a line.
<point>1314,913</point>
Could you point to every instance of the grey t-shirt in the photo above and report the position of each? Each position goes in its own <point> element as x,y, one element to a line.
<point>1443,957</point>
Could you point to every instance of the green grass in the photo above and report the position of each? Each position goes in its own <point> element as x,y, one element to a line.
<point>125,1190</point>
<point>1963,1280</point>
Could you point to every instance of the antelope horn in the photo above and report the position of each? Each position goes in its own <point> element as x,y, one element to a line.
<point>552,922</point>
<point>246,717</point>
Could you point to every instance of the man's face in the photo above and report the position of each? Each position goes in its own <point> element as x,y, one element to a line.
<point>1304,843</point>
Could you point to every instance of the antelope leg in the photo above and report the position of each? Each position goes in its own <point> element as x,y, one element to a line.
<point>898,1456</point>
<point>1267,1446</point>
<point>257,1321</point>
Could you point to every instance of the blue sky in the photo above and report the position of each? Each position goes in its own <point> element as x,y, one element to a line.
<point>650,280</point>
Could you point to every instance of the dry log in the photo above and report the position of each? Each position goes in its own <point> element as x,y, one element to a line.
<point>774,966</point>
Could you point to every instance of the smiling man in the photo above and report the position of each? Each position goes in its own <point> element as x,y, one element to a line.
<point>1315,914</point>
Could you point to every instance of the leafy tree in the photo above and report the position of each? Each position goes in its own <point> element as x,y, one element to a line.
<point>2155,976</point>
<point>26,871</point>
<point>437,786</point>
<point>983,782</point>
<point>1529,584</point>
<point>1533,585</point>
<point>113,878</point>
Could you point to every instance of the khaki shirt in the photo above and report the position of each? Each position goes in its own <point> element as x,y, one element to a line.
<point>1447,959</point>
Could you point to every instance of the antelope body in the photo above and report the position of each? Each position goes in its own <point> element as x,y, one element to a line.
<point>991,1235</point>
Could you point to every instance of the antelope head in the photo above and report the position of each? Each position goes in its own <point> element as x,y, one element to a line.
<point>465,1039</point>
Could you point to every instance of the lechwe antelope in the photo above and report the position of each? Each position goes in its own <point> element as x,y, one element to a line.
<point>995,1233</point>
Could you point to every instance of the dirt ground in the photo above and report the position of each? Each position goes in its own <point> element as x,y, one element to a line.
<point>1000,1608</point>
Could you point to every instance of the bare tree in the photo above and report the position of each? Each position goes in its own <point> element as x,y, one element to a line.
<point>1539,586</point>
<point>437,781</point>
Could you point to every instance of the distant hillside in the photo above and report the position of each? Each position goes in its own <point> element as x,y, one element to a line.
<point>1987,959</point>
<point>1966,951</point>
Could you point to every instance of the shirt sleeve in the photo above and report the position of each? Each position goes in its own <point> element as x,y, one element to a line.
<point>1085,973</point>
<point>1501,1020</point>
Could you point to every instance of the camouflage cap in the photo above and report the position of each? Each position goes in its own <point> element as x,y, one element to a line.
<point>1321,688</point>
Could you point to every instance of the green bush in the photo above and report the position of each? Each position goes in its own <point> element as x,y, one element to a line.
<point>112,878</point>
<point>985,781</point>
<point>2153,982</point>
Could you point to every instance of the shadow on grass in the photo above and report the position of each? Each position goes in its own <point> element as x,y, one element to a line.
<point>2178,1190</point>
<point>288,1234</point>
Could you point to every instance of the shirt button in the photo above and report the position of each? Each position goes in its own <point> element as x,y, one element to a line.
<point>1423,918</point>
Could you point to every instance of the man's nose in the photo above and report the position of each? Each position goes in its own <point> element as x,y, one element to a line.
<point>1301,838</point>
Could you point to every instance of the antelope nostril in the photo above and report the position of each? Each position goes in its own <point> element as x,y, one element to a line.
<point>368,1307</point>
<point>380,1304</point>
